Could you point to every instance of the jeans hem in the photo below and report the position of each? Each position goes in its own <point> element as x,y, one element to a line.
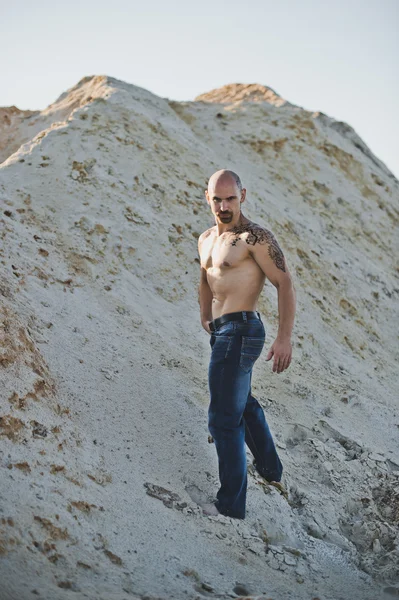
<point>228,513</point>
<point>267,475</point>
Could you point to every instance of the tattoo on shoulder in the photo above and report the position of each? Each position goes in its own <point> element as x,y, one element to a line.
<point>207,233</point>
<point>259,235</point>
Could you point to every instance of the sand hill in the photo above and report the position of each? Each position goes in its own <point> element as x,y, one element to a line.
<point>103,426</point>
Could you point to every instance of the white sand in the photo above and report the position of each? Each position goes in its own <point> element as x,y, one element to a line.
<point>104,391</point>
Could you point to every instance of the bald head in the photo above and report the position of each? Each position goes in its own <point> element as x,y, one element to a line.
<point>225,195</point>
<point>224,176</point>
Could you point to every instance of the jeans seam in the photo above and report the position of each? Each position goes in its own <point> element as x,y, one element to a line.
<point>229,346</point>
<point>253,441</point>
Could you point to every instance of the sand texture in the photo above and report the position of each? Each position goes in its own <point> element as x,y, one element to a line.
<point>105,459</point>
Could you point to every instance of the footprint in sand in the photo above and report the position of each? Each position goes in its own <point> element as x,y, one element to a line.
<point>169,498</point>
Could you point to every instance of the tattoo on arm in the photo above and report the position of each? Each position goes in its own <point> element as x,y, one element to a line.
<point>275,253</point>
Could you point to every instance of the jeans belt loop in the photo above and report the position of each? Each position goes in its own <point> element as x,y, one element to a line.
<point>244,314</point>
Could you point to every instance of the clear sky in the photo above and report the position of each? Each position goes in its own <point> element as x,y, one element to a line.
<point>340,57</point>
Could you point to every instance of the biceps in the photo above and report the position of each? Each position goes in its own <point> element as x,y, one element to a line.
<point>278,278</point>
<point>271,260</point>
<point>277,258</point>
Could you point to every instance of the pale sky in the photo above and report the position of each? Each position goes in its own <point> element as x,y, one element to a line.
<point>340,57</point>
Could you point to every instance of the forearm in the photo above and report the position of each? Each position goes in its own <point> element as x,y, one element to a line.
<point>205,298</point>
<point>286,309</point>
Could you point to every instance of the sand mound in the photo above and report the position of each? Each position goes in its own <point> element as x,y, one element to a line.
<point>103,359</point>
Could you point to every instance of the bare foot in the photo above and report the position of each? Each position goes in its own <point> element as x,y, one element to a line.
<point>210,509</point>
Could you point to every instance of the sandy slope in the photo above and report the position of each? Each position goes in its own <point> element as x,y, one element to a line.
<point>103,426</point>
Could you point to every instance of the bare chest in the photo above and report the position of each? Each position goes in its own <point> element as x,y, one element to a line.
<point>224,252</point>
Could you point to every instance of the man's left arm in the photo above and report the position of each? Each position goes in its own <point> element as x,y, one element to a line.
<point>270,258</point>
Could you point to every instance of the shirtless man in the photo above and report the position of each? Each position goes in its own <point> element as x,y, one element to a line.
<point>236,256</point>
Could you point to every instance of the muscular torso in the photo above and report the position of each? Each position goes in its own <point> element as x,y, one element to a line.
<point>234,277</point>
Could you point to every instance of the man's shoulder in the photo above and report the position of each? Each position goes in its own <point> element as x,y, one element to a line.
<point>251,228</point>
<point>255,233</point>
<point>206,234</point>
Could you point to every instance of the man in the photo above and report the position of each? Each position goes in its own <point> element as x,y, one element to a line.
<point>236,256</point>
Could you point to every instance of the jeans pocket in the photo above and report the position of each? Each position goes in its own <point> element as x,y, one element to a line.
<point>226,329</point>
<point>251,348</point>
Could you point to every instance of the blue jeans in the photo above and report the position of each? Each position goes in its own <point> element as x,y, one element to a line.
<point>235,417</point>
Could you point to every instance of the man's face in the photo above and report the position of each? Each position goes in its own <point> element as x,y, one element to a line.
<point>224,198</point>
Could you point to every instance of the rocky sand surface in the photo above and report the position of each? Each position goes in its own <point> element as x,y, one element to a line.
<point>105,460</point>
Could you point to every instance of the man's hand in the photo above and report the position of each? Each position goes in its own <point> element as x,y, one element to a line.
<point>282,352</point>
<point>205,325</point>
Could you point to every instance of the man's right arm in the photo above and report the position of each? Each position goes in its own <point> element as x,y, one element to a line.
<point>205,295</point>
